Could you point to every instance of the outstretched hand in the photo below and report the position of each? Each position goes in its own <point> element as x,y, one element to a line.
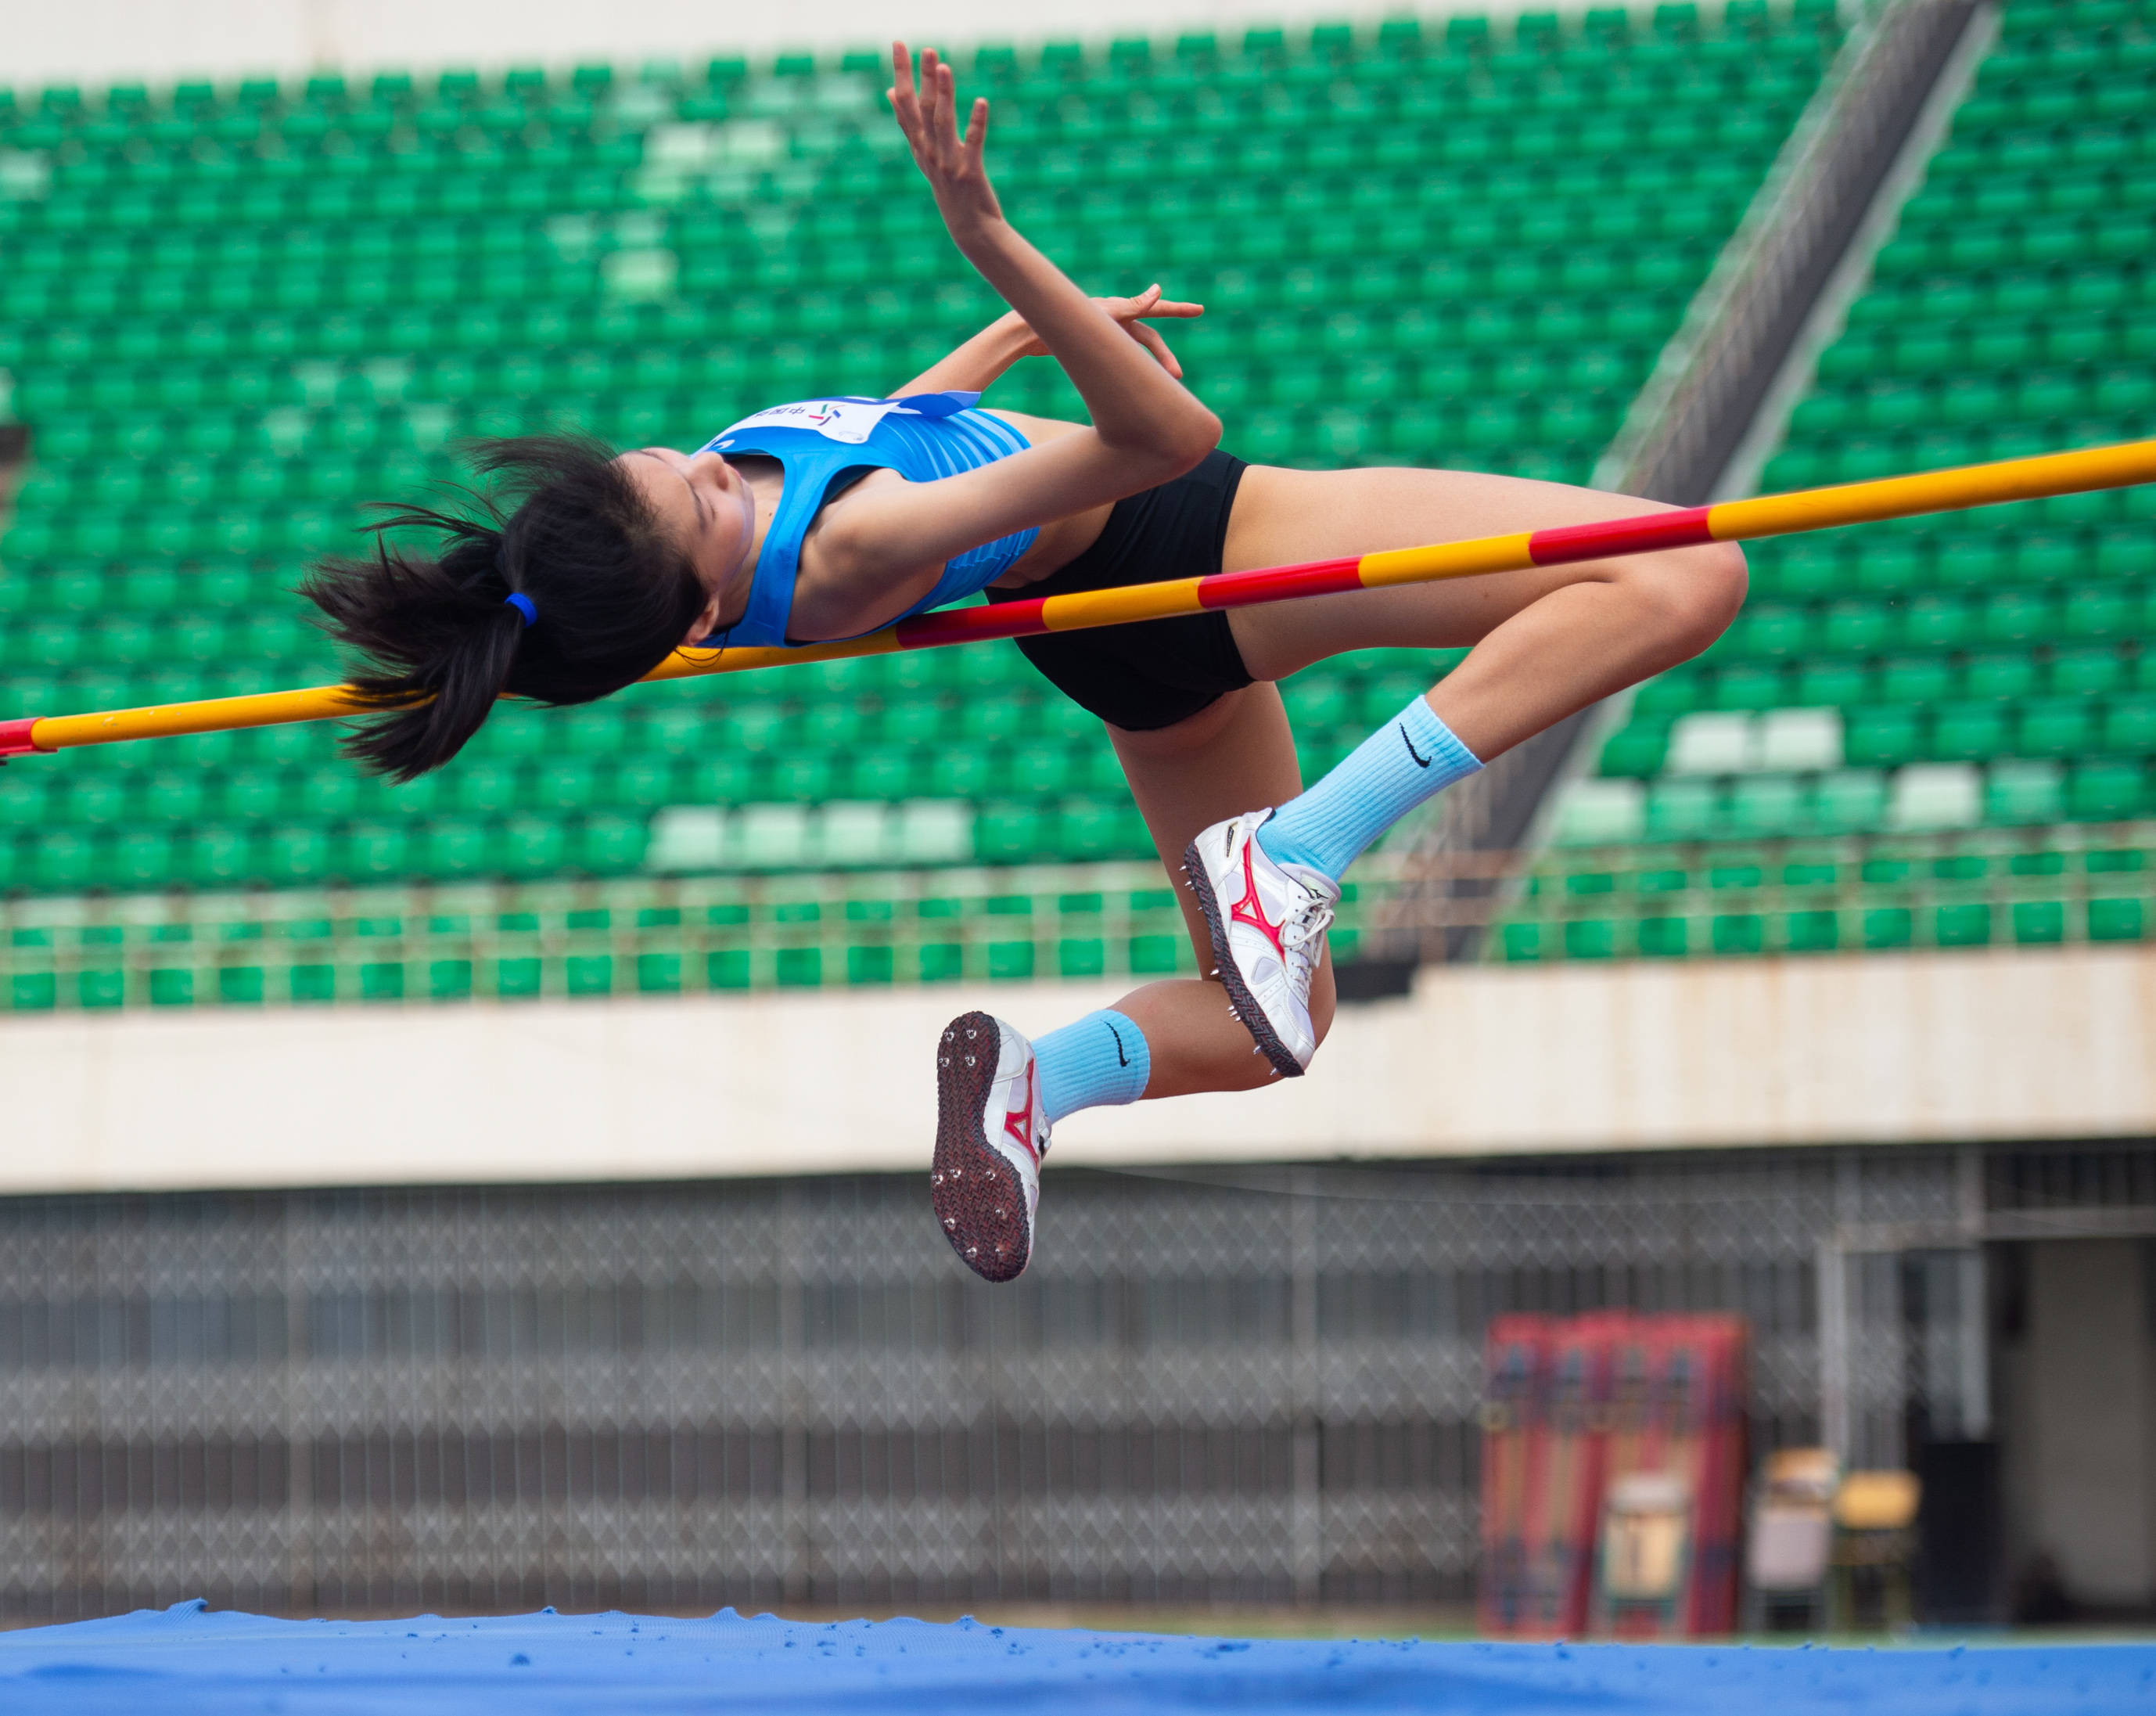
<point>951,163</point>
<point>1132,313</point>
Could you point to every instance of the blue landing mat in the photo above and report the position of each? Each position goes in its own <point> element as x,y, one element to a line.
<point>186,1659</point>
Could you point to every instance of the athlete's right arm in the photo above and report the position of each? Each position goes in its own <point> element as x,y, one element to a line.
<point>881,550</point>
<point>1140,412</point>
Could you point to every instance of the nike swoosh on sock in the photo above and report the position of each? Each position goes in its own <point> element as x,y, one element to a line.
<point>1122,1059</point>
<point>1417,756</point>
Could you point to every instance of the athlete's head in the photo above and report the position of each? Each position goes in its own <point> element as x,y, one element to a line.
<point>705,504</point>
<point>613,580</point>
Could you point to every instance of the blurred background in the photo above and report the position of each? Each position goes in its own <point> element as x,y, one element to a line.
<point>1726,1203</point>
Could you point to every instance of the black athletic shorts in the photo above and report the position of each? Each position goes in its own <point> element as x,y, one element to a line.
<point>1157,672</point>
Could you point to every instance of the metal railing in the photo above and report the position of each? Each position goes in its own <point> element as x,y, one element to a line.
<point>2039,886</point>
<point>639,935</point>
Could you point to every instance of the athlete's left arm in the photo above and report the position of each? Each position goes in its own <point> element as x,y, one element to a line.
<point>983,359</point>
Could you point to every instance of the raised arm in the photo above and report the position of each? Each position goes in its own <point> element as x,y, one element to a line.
<point>971,367</point>
<point>1147,428</point>
<point>1136,408</point>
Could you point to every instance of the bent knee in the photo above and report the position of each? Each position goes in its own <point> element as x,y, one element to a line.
<point>1695,595</point>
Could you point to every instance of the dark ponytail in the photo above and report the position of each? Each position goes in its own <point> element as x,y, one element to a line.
<point>440,641</point>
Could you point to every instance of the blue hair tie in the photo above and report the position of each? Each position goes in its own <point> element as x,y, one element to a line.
<point>523,605</point>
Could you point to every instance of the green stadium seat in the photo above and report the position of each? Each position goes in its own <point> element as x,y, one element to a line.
<point>2024,792</point>
<point>2129,726</point>
<point>1010,834</point>
<point>1834,684</point>
<point>1636,749</point>
<point>222,857</point>
<point>140,858</point>
<point>533,846</point>
<point>2116,920</point>
<point>611,845</point>
<point>2106,791</point>
<point>453,851</point>
<point>1590,938</point>
<point>2086,672</point>
<point>374,853</point>
<point>1088,829</point>
<point>1920,679</point>
<point>1681,809</point>
<point>1851,801</point>
<point>1766,805</point>
<point>1882,736</point>
<point>2056,728</point>
<point>1966,732</point>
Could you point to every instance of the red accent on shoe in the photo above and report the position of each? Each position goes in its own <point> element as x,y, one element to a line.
<point>1255,916</point>
<point>1017,1122</point>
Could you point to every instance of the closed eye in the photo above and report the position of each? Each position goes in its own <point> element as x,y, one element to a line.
<point>695,495</point>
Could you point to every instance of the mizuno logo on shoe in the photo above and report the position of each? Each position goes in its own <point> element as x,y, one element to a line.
<point>1247,910</point>
<point>1017,1122</point>
<point>1420,758</point>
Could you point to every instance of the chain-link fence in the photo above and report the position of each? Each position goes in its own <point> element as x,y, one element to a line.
<point>1247,1384</point>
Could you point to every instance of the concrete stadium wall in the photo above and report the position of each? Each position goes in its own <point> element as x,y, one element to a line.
<point>106,41</point>
<point>1477,1061</point>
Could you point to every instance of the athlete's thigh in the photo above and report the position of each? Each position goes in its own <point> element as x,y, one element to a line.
<point>1237,755</point>
<point>1282,517</point>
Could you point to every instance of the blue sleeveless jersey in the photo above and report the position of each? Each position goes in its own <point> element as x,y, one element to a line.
<point>922,437</point>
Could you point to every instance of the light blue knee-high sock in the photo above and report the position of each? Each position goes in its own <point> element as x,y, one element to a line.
<point>1411,757</point>
<point>1101,1059</point>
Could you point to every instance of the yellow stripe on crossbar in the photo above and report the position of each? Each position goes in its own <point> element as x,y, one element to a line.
<point>1414,566</point>
<point>688,664</point>
<point>163,721</point>
<point>1078,609</point>
<point>1935,492</point>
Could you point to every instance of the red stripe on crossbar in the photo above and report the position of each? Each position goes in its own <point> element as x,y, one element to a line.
<point>1684,529</point>
<point>959,625</point>
<point>15,736</point>
<point>1273,583</point>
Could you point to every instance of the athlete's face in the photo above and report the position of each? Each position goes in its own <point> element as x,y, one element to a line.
<point>705,505</point>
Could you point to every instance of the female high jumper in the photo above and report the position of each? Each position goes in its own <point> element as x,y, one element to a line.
<point>828,518</point>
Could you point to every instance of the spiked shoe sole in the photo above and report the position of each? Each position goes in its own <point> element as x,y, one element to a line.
<point>980,1204</point>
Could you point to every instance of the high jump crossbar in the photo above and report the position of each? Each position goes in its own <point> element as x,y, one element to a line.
<point>2028,478</point>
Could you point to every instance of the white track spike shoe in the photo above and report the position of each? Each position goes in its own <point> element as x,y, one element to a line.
<point>1268,921</point>
<point>991,1133</point>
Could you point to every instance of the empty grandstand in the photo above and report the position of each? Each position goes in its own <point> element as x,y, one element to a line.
<point>1938,732</point>
<point>235,314</point>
